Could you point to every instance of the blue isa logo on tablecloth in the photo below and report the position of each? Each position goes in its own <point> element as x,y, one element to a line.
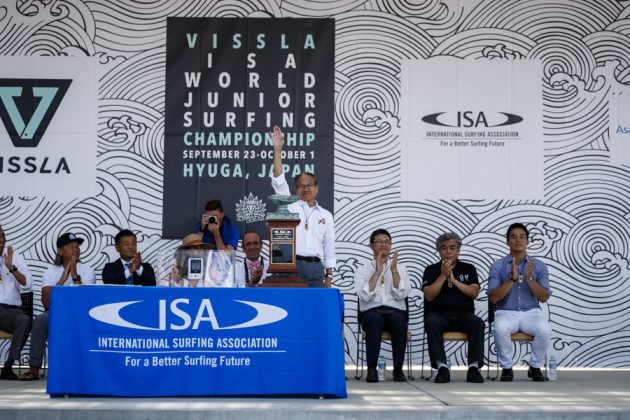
<point>139,341</point>
<point>180,310</point>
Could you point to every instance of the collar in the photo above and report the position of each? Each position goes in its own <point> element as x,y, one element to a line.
<point>305,204</point>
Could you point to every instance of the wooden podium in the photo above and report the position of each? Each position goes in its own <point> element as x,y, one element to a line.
<point>282,226</point>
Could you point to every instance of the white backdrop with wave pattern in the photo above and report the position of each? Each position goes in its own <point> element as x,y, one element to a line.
<point>581,228</point>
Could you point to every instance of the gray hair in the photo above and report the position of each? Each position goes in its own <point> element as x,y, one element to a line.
<point>447,237</point>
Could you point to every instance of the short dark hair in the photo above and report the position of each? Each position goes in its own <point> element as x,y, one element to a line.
<point>251,231</point>
<point>379,232</point>
<point>516,226</point>
<point>297,178</point>
<point>214,205</point>
<point>448,236</point>
<point>122,234</point>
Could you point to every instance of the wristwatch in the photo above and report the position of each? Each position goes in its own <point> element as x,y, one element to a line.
<point>13,269</point>
<point>513,279</point>
<point>77,278</point>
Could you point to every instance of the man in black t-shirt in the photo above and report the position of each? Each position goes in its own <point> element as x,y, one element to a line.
<point>450,288</point>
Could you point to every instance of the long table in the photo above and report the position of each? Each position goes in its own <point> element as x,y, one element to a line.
<point>164,341</point>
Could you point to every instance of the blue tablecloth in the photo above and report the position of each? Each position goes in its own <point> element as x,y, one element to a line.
<point>160,341</point>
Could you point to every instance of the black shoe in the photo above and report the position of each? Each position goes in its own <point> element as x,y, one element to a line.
<point>399,376</point>
<point>474,376</point>
<point>372,375</point>
<point>535,374</point>
<point>443,376</point>
<point>7,373</point>
<point>507,375</point>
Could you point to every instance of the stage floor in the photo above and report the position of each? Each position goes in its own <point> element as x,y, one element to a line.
<point>600,394</point>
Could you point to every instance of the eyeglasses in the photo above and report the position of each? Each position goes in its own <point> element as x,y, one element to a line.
<point>305,186</point>
<point>381,242</point>
<point>521,236</point>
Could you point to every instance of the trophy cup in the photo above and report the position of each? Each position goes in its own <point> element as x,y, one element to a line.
<point>282,226</point>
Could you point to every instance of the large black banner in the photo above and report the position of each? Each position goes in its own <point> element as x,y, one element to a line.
<point>228,82</point>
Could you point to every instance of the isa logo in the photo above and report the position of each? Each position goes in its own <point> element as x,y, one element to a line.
<point>619,127</point>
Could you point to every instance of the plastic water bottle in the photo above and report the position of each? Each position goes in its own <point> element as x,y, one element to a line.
<point>448,363</point>
<point>552,368</point>
<point>381,368</point>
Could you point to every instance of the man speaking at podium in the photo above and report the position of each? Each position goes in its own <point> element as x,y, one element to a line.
<point>315,235</point>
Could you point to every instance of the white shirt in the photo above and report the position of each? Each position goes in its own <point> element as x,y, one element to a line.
<point>52,275</point>
<point>239,273</point>
<point>10,289</point>
<point>127,272</point>
<point>384,294</point>
<point>319,239</point>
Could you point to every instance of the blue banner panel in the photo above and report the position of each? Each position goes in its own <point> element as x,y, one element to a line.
<point>140,341</point>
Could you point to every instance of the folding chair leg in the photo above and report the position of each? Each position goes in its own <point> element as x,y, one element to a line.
<point>409,355</point>
<point>359,357</point>
<point>424,338</point>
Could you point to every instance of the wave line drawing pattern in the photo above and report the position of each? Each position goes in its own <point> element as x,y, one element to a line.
<point>581,228</point>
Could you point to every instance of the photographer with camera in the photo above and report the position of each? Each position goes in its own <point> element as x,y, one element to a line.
<point>217,228</point>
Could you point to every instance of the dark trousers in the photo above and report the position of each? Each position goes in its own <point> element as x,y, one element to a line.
<point>13,320</point>
<point>374,324</point>
<point>436,323</point>
<point>312,272</point>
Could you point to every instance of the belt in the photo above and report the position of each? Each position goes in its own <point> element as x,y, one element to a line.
<point>5,306</point>
<point>307,259</point>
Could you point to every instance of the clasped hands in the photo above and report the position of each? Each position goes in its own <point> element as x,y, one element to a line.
<point>381,262</point>
<point>528,270</point>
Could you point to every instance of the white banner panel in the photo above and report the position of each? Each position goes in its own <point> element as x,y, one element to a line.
<point>48,127</point>
<point>471,129</point>
<point>620,128</point>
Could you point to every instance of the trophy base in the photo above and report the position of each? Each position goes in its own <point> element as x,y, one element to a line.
<point>283,280</point>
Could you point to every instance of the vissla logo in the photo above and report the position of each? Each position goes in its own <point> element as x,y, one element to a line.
<point>472,119</point>
<point>178,309</point>
<point>28,105</point>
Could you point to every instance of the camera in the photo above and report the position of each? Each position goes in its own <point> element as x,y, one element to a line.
<point>214,220</point>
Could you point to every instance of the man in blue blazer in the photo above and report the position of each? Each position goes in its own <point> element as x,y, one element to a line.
<point>129,268</point>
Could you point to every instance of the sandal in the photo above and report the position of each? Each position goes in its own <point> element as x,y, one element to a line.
<point>29,375</point>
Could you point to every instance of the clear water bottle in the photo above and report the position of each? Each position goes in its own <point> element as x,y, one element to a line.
<point>552,368</point>
<point>448,363</point>
<point>381,368</point>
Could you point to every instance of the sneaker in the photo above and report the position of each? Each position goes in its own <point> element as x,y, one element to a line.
<point>399,376</point>
<point>507,375</point>
<point>535,374</point>
<point>474,376</point>
<point>372,375</point>
<point>8,374</point>
<point>443,376</point>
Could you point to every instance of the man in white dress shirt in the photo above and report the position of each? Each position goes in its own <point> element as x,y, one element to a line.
<point>66,271</point>
<point>315,235</point>
<point>382,287</point>
<point>14,279</point>
<point>253,269</point>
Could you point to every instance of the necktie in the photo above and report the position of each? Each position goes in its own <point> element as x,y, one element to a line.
<point>129,280</point>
